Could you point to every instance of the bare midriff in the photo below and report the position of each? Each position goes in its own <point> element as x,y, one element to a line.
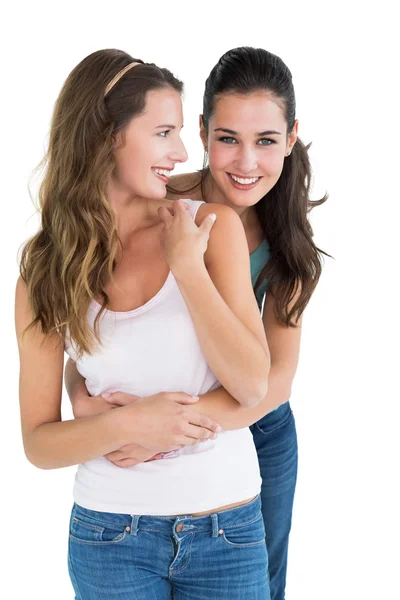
<point>226,507</point>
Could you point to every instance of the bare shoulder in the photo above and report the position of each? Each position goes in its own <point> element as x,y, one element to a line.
<point>226,216</point>
<point>187,184</point>
<point>227,236</point>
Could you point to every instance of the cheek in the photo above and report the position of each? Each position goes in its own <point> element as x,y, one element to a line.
<point>219,156</point>
<point>133,158</point>
<point>272,163</point>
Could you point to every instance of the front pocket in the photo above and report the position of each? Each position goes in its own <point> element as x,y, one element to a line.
<point>85,532</point>
<point>245,536</point>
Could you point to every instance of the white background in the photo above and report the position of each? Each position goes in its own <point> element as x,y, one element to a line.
<point>345,64</point>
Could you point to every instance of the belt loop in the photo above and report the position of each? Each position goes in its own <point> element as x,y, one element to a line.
<point>214,521</point>
<point>135,524</point>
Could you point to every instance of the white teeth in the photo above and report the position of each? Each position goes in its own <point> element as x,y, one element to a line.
<point>244,181</point>
<point>164,172</point>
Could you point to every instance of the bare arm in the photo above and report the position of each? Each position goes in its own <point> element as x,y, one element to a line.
<point>51,443</point>
<point>221,302</point>
<point>284,344</point>
<point>218,404</point>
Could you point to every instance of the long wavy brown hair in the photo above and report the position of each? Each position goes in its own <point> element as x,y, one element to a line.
<point>70,260</point>
<point>295,263</point>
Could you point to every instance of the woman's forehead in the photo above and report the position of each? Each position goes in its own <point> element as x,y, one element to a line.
<point>257,111</point>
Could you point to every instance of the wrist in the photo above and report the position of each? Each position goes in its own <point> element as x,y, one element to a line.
<point>126,420</point>
<point>190,271</point>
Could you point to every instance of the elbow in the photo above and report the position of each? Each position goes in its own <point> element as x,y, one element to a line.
<point>38,461</point>
<point>259,388</point>
<point>255,395</point>
<point>37,458</point>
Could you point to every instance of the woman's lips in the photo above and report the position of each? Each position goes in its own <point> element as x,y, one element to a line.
<point>243,186</point>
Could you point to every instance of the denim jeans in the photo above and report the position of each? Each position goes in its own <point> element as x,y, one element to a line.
<point>221,556</point>
<point>276,443</point>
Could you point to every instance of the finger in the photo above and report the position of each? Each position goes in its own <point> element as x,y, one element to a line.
<point>180,207</point>
<point>182,398</point>
<point>199,433</point>
<point>186,440</point>
<point>119,398</point>
<point>116,455</point>
<point>200,420</point>
<point>172,212</point>
<point>207,223</point>
<point>126,462</point>
<point>165,214</point>
<point>158,456</point>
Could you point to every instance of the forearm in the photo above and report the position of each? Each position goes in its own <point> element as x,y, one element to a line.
<point>66,443</point>
<point>221,406</point>
<point>235,356</point>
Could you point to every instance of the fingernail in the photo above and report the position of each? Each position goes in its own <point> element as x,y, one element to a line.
<point>218,429</point>
<point>214,436</point>
<point>106,395</point>
<point>212,216</point>
<point>196,397</point>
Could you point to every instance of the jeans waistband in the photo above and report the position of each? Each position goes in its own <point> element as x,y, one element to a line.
<point>182,524</point>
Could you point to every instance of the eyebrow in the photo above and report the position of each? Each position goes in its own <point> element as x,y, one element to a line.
<point>168,126</point>
<point>268,132</point>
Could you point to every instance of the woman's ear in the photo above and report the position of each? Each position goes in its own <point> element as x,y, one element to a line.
<point>292,138</point>
<point>203,133</point>
<point>118,140</point>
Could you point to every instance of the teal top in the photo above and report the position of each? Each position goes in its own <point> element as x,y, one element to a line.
<point>258,260</point>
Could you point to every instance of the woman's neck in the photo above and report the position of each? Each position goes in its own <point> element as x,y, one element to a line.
<point>132,213</point>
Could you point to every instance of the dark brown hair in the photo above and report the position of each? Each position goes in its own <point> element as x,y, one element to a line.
<point>70,260</point>
<point>295,261</point>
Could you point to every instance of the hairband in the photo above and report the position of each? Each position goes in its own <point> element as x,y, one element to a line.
<point>118,77</point>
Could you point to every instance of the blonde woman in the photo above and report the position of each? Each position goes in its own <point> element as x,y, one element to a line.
<point>139,293</point>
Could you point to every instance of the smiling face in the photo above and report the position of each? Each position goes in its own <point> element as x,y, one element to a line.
<point>150,146</point>
<point>247,141</point>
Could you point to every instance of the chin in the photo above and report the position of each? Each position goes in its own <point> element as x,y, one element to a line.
<point>244,199</point>
<point>155,192</point>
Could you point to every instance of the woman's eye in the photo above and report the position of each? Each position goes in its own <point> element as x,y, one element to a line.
<point>227,140</point>
<point>265,142</point>
<point>165,133</point>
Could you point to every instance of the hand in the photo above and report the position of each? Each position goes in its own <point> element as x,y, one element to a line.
<point>165,422</point>
<point>116,399</point>
<point>84,405</point>
<point>183,242</point>
<point>131,455</point>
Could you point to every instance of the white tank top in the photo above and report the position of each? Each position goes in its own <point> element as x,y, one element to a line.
<point>152,349</point>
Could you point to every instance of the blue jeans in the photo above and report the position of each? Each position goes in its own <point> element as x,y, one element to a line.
<point>221,556</point>
<point>276,443</point>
